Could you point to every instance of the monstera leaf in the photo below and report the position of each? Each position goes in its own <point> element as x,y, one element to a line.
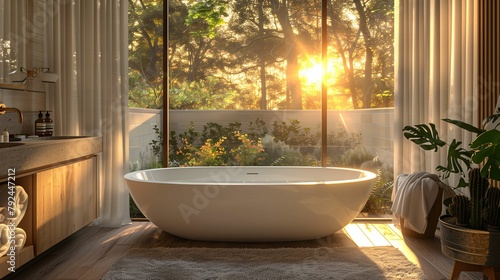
<point>456,154</point>
<point>426,136</point>
<point>465,126</point>
<point>487,151</point>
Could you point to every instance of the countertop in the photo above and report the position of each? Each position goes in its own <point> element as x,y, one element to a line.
<point>34,154</point>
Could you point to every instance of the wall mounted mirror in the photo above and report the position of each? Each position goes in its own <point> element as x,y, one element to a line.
<point>13,37</point>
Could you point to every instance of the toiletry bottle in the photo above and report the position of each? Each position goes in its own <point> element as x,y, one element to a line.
<point>40,126</point>
<point>49,125</point>
<point>5,134</point>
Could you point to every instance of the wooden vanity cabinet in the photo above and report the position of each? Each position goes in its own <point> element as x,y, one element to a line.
<point>61,179</point>
<point>65,200</point>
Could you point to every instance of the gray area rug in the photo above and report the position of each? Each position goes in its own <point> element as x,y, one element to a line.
<point>282,263</point>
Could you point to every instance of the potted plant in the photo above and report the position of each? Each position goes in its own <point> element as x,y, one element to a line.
<point>469,234</point>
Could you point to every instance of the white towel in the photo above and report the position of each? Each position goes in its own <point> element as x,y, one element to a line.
<point>19,237</point>
<point>4,239</point>
<point>20,206</point>
<point>413,196</point>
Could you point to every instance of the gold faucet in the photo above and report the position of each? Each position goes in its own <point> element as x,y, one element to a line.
<point>3,109</point>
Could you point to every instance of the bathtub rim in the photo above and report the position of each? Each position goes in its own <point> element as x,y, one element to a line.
<point>365,175</point>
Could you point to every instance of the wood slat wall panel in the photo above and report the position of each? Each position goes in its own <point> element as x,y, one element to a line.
<point>488,59</point>
<point>488,62</point>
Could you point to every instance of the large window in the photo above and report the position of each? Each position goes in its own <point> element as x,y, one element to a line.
<point>245,82</point>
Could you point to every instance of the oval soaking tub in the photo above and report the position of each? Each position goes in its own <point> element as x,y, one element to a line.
<point>247,203</point>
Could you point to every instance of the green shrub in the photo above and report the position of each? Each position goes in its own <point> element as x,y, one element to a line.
<point>293,134</point>
<point>355,157</point>
<point>209,154</point>
<point>157,145</point>
<point>380,198</point>
<point>249,153</point>
<point>134,210</point>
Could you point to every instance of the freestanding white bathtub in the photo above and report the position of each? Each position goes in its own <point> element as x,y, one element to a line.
<point>246,203</point>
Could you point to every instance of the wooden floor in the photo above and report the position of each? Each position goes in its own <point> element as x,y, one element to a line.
<point>89,253</point>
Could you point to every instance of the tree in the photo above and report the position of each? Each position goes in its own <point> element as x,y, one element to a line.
<point>247,42</point>
<point>252,54</point>
<point>293,90</point>
<point>345,43</point>
<point>262,59</point>
<point>381,22</point>
<point>362,33</point>
<point>145,53</point>
<point>368,44</point>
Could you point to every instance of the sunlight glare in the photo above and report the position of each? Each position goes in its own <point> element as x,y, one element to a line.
<point>312,74</point>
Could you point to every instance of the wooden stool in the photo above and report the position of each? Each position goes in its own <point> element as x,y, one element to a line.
<point>489,272</point>
<point>432,220</point>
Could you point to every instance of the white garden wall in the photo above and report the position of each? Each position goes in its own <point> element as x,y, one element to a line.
<point>375,125</point>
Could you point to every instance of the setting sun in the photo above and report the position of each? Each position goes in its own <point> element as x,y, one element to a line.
<point>312,74</point>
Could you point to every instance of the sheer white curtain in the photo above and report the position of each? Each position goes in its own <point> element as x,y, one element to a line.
<point>435,75</point>
<point>12,37</point>
<point>87,45</point>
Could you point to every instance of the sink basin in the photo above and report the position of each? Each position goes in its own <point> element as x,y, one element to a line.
<point>9,144</point>
<point>60,137</point>
<point>55,138</point>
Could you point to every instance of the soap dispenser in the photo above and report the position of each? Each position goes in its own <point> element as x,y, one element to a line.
<point>5,135</point>
<point>40,126</point>
<point>49,125</point>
